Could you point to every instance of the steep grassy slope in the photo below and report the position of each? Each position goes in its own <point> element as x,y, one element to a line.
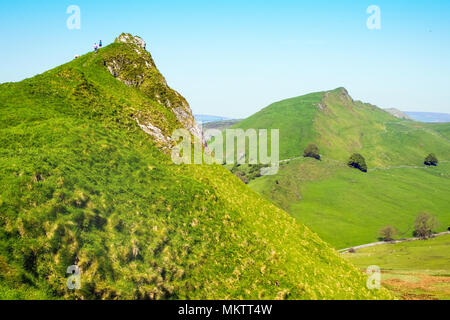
<point>344,206</point>
<point>84,182</point>
<point>418,269</point>
<point>293,117</point>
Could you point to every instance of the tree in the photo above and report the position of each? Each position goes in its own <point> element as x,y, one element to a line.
<point>357,161</point>
<point>431,160</point>
<point>387,233</point>
<point>424,225</point>
<point>311,151</point>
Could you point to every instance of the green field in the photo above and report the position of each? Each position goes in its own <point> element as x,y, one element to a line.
<point>83,184</point>
<point>418,269</point>
<point>348,208</point>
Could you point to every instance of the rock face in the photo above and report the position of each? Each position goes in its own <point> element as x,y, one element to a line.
<point>128,38</point>
<point>134,66</point>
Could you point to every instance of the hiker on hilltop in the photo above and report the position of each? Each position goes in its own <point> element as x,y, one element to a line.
<point>100,44</point>
<point>95,47</point>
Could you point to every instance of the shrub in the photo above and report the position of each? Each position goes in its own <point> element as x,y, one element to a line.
<point>387,233</point>
<point>424,225</point>
<point>431,160</point>
<point>241,176</point>
<point>311,151</point>
<point>357,161</point>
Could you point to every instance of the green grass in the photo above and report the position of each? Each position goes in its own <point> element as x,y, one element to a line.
<point>348,208</point>
<point>83,184</point>
<point>418,269</point>
<point>293,117</point>
<point>442,129</point>
<point>427,256</point>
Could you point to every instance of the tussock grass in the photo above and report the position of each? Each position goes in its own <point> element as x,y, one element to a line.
<point>82,184</point>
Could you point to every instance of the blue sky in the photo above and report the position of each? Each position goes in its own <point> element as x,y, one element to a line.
<point>232,58</point>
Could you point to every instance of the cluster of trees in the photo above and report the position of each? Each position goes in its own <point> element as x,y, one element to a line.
<point>356,160</point>
<point>423,228</point>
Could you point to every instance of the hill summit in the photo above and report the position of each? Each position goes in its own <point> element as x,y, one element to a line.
<point>340,126</point>
<point>86,181</point>
<point>134,66</point>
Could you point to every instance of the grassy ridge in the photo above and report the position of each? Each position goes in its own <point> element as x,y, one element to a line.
<point>83,184</point>
<point>341,126</point>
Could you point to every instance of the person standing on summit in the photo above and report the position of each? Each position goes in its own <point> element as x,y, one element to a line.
<point>95,47</point>
<point>100,44</point>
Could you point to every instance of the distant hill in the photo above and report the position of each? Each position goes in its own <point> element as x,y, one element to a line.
<point>219,125</point>
<point>429,116</point>
<point>87,180</point>
<point>345,206</point>
<point>340,126</point>
<point>398,114</point>
<point>203,118</point>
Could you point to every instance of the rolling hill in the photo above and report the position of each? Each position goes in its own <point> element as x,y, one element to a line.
<point>340,126</point>
<point>345,206</point>
<point>87,180</point>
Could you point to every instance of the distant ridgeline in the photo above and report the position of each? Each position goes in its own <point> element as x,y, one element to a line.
<point>87,181</point>
<point>429,116</point>
<point>420,116</point>
<point>202,118</point>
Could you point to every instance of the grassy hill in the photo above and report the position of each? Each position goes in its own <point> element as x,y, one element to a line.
<point>414,270</point>
<point>86,180</point>
<point>340,126</point>
<point>345,206</point>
